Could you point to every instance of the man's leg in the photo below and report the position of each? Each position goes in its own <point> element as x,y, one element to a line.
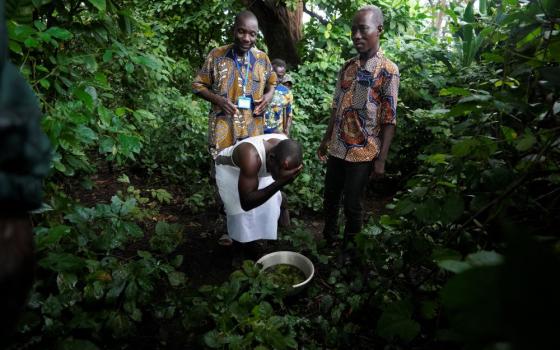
<point>220,226</point>
<point>284,220</point>
<point>334,179</point>
<point>17,265</point>
<point>357,178</point>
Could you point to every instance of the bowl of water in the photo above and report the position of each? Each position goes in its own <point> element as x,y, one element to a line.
<point>288,268</point>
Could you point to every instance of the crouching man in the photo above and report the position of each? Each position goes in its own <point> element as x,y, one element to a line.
<point>249,176</point>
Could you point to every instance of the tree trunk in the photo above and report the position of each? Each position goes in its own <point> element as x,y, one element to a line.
<point>282,28</point>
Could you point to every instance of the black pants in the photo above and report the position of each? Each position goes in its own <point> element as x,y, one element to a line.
<point>346,180</point>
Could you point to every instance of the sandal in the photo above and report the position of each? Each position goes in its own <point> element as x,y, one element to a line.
<point>225,240</point>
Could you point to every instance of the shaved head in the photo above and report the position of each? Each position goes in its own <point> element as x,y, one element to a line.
<point>290,151</point>
<point>243,16</point>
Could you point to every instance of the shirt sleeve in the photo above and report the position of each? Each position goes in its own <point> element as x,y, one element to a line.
<point>390,98</point>
<point>270,75</point>
<point>205,77</point>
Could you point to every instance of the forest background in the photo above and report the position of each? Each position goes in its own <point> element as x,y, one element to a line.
<point>464,255</point>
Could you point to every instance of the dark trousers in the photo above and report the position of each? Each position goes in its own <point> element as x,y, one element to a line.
<point>347,180</point>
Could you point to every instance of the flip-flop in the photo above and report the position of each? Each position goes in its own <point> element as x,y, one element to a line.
<point>225,240</point>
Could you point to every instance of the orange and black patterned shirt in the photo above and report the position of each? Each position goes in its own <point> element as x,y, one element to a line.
<point>365,99</point>
<point>224,77</point>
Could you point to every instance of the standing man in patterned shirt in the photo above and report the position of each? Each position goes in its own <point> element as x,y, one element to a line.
<point>361,126</point>
<point>239,82</point>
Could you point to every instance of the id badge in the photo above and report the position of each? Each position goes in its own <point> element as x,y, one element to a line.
<point>244,102</point>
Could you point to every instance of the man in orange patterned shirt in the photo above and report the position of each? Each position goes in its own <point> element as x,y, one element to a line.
<point>361,126</point>
<point>239,82</point>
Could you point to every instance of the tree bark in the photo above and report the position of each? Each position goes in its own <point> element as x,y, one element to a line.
<point>282,28</point>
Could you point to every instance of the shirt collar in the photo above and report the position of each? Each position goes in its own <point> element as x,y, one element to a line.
<point>230,54</point>
<point>370,63</point>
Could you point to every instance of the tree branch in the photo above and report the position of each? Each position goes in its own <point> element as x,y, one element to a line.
<point>314,15</point>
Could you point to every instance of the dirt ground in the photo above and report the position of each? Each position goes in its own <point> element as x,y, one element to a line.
<point>206,261</point>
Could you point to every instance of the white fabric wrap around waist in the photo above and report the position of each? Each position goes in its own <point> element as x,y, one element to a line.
<point>260,222</point>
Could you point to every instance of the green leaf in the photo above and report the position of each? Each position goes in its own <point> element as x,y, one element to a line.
<point>83,96</point>
<point>107,56</point>
<point>485,258</point>
<point>526,142</point>
<point>509,134</point>
<point>90,63</point>
<point>52,236</point>
<point>129,67</point>
<point>15,46</point>
<point>59,33</point>
<point>214,339</point>
<point>395,321</point>
<point>86,134</point>
<point>62,262</point>
<point>454,265</point>
<point>176,278</point>
<point>44,83</point>
<point>454,91</point>
<point>142,115</point>
<point>475,98</point>
<point>99,4</point>
<point>129,144</point>
<point>438,158</point>
<point>40,25</point>
<point>31,42</point>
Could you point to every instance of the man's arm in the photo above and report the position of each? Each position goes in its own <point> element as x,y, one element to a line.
<point>202,83</point>
<point>287,122</point>
<point>260,106</point>
<point>250,196</point>
<point>224,103</point>
<point>322,150</point>
<point>388,120</point>
<point>388,132</point>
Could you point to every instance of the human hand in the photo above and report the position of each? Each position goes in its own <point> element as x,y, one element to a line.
<point>378,170</point>
<point>260,106</point>
<point>227,106</point>
<point>322,150</point>
<point>288,176</point>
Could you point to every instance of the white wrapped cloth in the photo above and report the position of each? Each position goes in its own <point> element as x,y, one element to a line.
<point>260,222</point>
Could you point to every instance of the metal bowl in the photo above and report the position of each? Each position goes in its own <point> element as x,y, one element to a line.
<point>290,258</point>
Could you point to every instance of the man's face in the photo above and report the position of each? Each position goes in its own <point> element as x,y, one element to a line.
<point>245,34</point>
<point>365,32</point>
<point>280,72</point>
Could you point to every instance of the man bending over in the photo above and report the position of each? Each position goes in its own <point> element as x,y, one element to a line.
<point>250,175</point>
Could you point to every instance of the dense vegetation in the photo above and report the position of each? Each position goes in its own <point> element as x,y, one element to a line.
<point>465,256</point>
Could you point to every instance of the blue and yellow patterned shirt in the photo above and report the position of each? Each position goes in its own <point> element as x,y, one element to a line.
<point>278,116</point>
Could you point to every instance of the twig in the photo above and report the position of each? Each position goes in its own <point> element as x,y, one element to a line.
<point>514,185</point>
<point>315,15</point>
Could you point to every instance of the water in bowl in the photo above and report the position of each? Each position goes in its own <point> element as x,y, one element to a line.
<point>284,275</point>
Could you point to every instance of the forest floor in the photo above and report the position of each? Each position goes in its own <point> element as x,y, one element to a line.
<point>206,262</point>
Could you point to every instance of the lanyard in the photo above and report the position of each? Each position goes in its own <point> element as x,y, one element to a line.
<point>244,80</point>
